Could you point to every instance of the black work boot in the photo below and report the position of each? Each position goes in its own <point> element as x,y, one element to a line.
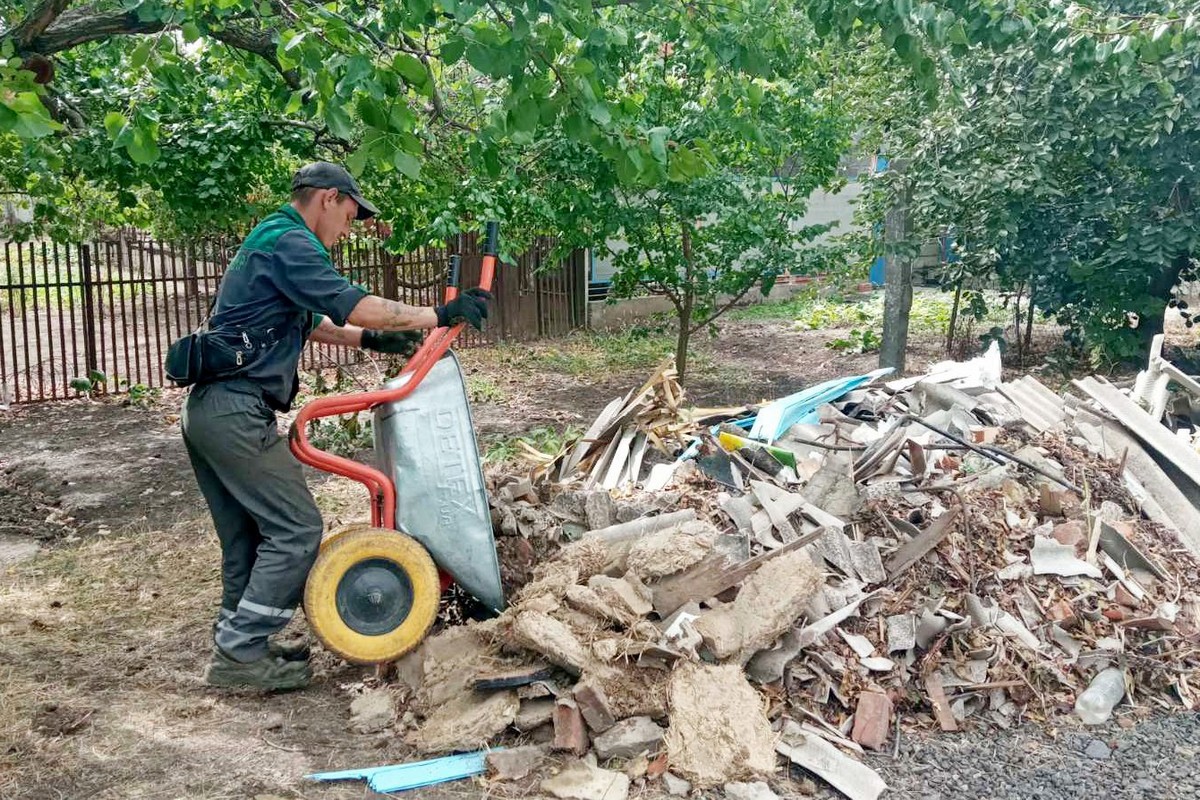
<point>290,651</point>
<point>270,672</point>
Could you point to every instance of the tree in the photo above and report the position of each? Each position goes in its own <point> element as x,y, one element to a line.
<point>1056,155</point>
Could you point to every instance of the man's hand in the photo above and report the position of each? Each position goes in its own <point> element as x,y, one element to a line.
<point>401,343</point>
<point>470,306</point>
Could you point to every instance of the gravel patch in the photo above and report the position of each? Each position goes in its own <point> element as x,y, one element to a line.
<point>1159,758</point>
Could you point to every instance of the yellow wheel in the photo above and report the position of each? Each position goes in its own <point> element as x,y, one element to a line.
<point>357,526</point>
<point>372,595</point>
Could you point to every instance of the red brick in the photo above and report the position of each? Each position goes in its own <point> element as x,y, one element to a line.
<point>657,767</point>
<point>570,735</point>
<point>1125,598</point>
<point>1073,533</point>
<point>593,704</point>
<point>1115,613</point>
<point>872,720</point>
<point>1062,613</point>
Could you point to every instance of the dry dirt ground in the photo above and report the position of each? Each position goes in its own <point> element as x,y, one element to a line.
<point>104,633</point>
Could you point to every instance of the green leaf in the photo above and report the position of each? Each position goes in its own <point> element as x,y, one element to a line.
<point>524,117</point>
<point>294,103</point>
<point>294,38</point>
<point>957,34</point>
<point>452,50</point>
<point>114,122</point>
<point>142,147</point>
<point>141,54</point>
<point>410,68</point>
<point>373,114</point>
<point>408,164</point>
<point>338,121</point>
<point>32,119</point>
<point>190,31</point>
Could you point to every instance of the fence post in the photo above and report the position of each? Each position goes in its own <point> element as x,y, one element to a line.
<point>89,315</point>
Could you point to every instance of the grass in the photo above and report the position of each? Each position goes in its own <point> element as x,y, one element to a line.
<point>590,354</point>
<point>544,438</point>
<point>481,389</point>
<point>930,312</point>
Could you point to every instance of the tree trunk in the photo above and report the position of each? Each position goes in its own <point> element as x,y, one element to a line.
<point>1160,289</point>
<point>688,299</point>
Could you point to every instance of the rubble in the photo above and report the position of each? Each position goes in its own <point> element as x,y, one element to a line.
<point>718,592</point>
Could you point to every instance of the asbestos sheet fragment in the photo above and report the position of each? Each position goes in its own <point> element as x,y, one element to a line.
<point>1051,558</point>
<point>852,778</point>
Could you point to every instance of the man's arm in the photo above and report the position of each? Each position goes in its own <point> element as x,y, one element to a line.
<point>378,313</point>
<point>345,335</point>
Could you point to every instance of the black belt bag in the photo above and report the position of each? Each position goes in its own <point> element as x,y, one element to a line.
<point>208,355</point>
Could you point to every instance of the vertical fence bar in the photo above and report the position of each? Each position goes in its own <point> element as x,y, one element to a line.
<point>91,358</point>
<point>161,325</point>
<point>11,305</point>
<point>24,321</point>
<point>142,334</point>
<point>112,316</point>
<point>75,305</point>
<point>61,334</point>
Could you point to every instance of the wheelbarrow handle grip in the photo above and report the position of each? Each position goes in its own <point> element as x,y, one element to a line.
<point>455,274</point>
<point>491,245</point>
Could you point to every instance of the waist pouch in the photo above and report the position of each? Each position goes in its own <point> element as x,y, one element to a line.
<point>206,356</point>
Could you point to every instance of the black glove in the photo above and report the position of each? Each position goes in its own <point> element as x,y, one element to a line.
<point>401,343</point>
<point>470,306</point>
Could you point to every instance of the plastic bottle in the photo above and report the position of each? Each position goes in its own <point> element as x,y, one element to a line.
<point>1096,703</point>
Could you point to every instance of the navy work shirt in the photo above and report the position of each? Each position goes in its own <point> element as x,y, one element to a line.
<point>279,283</point>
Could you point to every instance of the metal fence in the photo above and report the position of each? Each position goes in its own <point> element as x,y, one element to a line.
<point>112,306</point>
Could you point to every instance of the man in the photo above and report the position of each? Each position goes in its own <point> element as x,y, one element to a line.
<point>280,290</point>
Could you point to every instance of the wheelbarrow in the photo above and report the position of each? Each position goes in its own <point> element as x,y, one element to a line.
<point>374,590</point>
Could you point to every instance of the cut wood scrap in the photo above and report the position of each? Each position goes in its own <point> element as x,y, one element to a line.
<point>637,454</point>
<point>852,778</point>
<point>589,437</point>
<point>600,468</point>
<point>913,551</point>
<point>712,576</point>
<point>941,706</point>
<point>616,467</point>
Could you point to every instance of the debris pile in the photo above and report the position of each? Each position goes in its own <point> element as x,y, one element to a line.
<point>798,579</point>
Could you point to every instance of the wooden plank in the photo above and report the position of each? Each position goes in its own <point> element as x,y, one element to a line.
<point>941,706</point>
<point>616,467</point>
<point>913,551</point>
<point>589,439</point>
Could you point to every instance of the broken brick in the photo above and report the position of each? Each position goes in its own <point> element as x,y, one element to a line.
<point>984,435</point>
<point>1062,613</point>
<point>657,767</point>
<point>569,733</point>
<point>1073,533</point>
<point>872,720</point>
<point>1125,597</point>
<point>593,705</point>
<point>629,738</point>
<point>1115,613</point>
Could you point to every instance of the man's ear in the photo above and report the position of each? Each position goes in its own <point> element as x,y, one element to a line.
<point>329,198</point>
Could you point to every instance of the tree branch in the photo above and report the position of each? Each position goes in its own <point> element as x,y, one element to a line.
<point>262,44</point>
<point>78,26</point>
<point>38,20</point>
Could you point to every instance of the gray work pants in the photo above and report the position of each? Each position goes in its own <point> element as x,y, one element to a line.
<point>266,519</point>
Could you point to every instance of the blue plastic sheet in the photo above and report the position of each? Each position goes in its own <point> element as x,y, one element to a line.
<point>398,777</point>
<point>777,417</point>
